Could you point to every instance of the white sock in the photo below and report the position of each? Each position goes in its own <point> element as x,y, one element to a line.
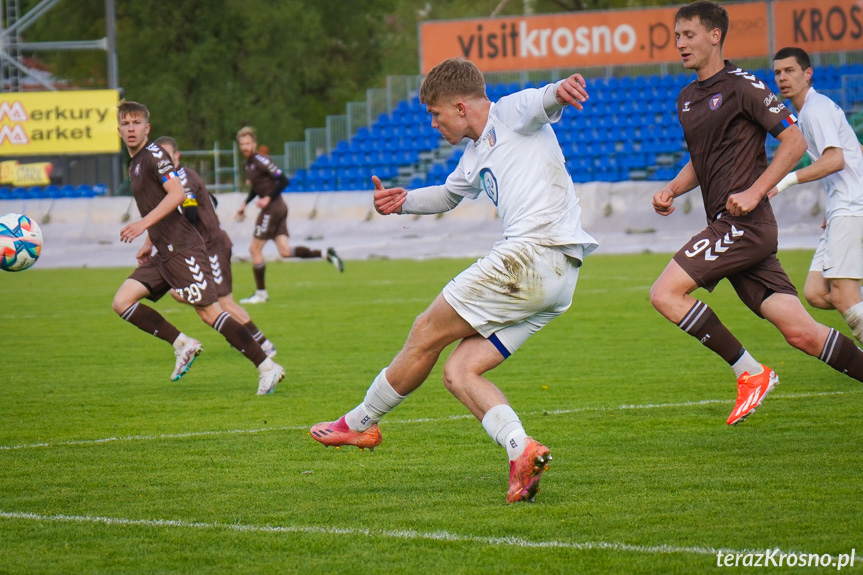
<point>180,341</point>
<point>746,364</point>
<point>854,319</point>
<point>503,426</point>
<point>265,365</point>
<point>380,399</point>
<point>261,292</point>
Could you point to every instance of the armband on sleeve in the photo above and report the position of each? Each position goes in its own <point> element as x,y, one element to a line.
<point>786,182</point>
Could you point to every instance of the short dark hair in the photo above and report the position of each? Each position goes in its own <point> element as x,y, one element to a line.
<point>798,54</point>
<point>710,14</point>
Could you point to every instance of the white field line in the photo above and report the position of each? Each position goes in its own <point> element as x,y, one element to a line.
<point>163,436</point>
<point>410,535</point>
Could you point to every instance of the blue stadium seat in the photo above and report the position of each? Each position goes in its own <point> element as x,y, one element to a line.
<point>5,194</point>
<point>19,193</point>
<point>52,192</point>
<point>100,189</point>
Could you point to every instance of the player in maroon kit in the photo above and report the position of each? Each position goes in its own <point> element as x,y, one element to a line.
<point>267,182</point>
<point>201,211</point>
<point>180,260</point>
<point>726,115</point>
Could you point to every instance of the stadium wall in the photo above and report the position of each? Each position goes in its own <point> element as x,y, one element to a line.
<point>84,232</point>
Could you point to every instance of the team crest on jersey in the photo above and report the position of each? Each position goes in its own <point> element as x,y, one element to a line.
<point>489,184</point>
<point>137,169</point>
<point>715,101</point>
<point>491,138</point>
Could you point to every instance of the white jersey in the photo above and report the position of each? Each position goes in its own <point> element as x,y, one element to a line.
<point>518,162</point>
<point>824,126</point>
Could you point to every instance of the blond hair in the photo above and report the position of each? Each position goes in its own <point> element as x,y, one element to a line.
<point>247,131</point>
<point>454,77</point>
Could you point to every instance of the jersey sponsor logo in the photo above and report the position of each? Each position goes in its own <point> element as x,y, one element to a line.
<point>721,246</point>
<point>489,184</point>
<point>753,80</point>
<point>165,166</point>
<point>777,108</point>
<point>685,106</point>
<point>715,101</point>
<point>769,99</point>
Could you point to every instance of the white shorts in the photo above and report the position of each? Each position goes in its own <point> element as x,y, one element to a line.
<point>513,292</point>
<point>840,249</point>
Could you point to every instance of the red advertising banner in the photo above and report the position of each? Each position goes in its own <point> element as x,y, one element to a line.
<point>823,26</point>
<point>581,39</point>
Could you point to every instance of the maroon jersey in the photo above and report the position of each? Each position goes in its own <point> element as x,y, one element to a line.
<point>725,120</point>
<point>208,224</point>
<point>262,174</point>
<point>149,169</point>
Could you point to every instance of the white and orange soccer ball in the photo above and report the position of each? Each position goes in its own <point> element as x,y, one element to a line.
<point>20,242</point>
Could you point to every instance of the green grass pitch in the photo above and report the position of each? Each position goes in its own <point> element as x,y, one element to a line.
<point>108,467</point>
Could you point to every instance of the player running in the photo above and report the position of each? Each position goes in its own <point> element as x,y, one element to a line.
<point>837,268</point>
<point>527,280</point>
<point>726,115</point>
<point>200,209</point>
<point>180,261</point>
<point>267,182</point>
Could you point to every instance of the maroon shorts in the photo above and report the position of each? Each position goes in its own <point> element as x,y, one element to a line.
<point>272,221</point>
<point>742,251</point>
<point>220,265</point>
<point>186,272</point>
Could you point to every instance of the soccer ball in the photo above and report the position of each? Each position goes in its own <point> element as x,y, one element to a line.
<point>20,242</point>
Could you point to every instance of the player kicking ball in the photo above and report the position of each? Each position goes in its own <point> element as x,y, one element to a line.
<point>527,280</point>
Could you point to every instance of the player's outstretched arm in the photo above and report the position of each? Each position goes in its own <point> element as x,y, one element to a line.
<point>831,161</point>
<point>388,200</point>
<point>571,91</point>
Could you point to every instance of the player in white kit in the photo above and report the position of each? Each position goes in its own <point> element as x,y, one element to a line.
<point>837,160</point>
<point>529,277</point>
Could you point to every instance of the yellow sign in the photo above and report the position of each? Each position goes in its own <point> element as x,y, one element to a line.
<point>63,122</point>
<point>25,175</point>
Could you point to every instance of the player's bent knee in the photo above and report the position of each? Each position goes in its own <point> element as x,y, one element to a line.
<point>659,299</point>
<point>120,306</point>
<point>451,372</point>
